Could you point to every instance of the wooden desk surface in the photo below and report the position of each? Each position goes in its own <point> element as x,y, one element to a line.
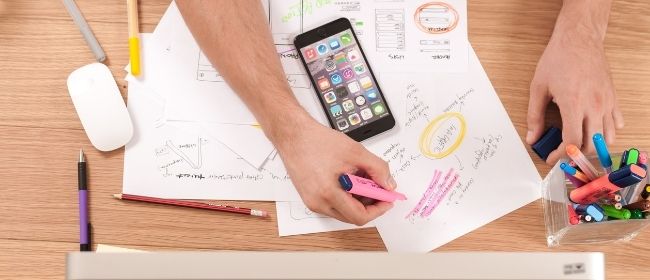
<point>40,136</point>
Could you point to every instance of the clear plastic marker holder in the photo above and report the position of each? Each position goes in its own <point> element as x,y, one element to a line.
<point>559,231</point>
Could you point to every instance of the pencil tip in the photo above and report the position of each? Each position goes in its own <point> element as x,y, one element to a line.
<point>81,155</point>
<point>118,195</point>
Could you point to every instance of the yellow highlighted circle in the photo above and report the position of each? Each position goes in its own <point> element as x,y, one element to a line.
<point>433,127</point>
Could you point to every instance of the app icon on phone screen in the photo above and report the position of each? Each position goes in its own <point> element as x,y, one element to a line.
<point>360,100</point>
<point>310,53</point>
<point>353,55</point>
<point>346,39</point>
<point>323,84</point>
<point>354,87</point>
<point>378,109</point>
<point>336,79</point>
<point>336,110</point>
<point>334,44</point>
<point>359,68</point>
<point>348,105</point>
<point>371,94</point>
<point>330,65</point>
<point>341,92</point>
<point>322,49</point>
<point>354,119</point>
<point>348,74</point>
<point>330,97</point>
<point>366,114</point>
<point>342,124</point>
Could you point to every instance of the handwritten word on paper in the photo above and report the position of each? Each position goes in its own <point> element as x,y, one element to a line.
<point>443,135</point>
<point>434,194</point>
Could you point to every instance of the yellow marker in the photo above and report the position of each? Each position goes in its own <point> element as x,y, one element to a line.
<point>134,41</point>
<point>433,127</point>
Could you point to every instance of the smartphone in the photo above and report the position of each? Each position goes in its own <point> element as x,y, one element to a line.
<point>344,82</point>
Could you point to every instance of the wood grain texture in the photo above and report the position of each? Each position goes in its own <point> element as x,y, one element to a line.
<point>40,136</point>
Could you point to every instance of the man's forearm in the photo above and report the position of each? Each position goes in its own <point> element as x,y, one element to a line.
<point>585,17</point>
<point>235,37</point>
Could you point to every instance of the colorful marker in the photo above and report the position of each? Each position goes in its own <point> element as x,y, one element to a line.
<point>607,184</point>
<point>643,205</point>
<point>585,166</point>
<point>368,188</point>
<point>603,153</point>
<point>611,212</point>
<point>636,214</point>
<point>574,172</point>
<point>632,156</point>
<point>618,205</point>
<point>593,210</point>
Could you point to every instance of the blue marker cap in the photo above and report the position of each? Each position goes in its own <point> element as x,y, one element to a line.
<point>568,168</point>
<point>601,149</point>
<point>548,143</point>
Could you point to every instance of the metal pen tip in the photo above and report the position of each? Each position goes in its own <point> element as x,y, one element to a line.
<point>81,155</point>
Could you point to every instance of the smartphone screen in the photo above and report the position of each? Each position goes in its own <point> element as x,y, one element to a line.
<point>344,82</point>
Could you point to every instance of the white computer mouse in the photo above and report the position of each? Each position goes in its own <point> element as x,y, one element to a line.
<point>100,107</point>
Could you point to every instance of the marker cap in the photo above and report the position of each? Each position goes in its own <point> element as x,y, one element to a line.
<point>601,149</point>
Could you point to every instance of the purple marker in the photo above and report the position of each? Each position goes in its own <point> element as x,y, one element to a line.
<point>84,224</point>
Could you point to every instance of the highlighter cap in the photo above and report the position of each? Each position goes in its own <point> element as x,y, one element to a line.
<point>345,182</point>
<point>627,176</point>
<point>601,149</point>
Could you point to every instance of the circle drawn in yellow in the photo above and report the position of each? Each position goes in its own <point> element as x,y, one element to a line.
<point>433,127</point>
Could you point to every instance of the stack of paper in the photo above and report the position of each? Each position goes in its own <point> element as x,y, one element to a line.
<point>195,139</point>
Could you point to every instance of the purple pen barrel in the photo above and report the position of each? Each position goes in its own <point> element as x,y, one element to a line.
<point>84,242</point>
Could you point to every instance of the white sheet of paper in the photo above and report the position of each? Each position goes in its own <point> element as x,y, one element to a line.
<point>295,218</point>
<point>173,161</point>
<point>254,150</point>
<point>399,36</point>
<point>458,159</point>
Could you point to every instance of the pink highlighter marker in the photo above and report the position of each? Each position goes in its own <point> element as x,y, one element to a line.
<point>368,188</point>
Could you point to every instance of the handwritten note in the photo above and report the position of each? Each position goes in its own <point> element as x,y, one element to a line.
<point>434,194</point>
<point>457,157</point>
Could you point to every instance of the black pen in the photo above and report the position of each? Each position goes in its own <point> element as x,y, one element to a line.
<point>84,222</point>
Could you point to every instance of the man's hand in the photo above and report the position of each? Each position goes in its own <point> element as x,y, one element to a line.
<point>315,156</point>
<point>573,73</point>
